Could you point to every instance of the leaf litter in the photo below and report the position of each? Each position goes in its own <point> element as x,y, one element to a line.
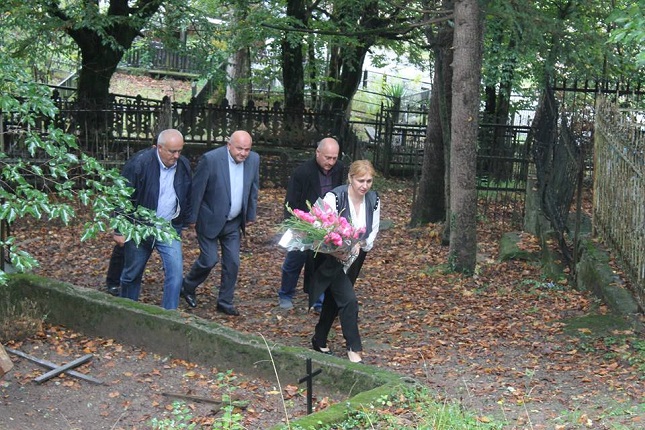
<point>494,342</point>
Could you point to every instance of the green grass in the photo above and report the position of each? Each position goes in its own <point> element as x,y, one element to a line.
<point>411,408</point>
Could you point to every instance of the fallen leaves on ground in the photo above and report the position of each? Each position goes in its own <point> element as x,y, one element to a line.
<point>470,338</point>
<point>136,387</point>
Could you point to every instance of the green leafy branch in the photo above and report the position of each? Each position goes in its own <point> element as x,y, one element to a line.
<point>52,174</point>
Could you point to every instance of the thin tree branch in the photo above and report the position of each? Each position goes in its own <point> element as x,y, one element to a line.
<point>396,31</point>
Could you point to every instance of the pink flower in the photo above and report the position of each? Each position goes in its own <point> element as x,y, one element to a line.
<point>320,229</point>
<point>315,211</point>
<point>305,216</point>
<point>334,238</point>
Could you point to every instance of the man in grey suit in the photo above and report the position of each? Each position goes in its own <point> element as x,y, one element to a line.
<point>224,200</point>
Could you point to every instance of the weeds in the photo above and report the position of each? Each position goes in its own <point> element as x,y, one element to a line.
<point>180,418</point>
<point>20,320</point>
<point>407,409</point>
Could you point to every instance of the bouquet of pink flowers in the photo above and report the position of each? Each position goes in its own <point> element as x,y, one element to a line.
<point>321,230</point>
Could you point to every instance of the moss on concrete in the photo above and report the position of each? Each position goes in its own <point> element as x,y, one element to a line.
<point>190,338</point>
<point>595,325</point>
<point>510,250</point>
<point>596,275</point>
<point>593,272</point>
<point>338,412</point>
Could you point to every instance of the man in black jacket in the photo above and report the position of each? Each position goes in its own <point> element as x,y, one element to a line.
<point>309,181</point>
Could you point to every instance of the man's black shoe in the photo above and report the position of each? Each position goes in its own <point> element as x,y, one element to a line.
<point>191,299</point>
<point>228,311</point>
<point>114,290</point>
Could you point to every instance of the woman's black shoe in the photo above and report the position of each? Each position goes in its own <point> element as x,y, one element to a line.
<point>321,349</point>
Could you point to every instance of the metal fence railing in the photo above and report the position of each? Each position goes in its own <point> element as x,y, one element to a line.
<point>113,132</point>
<point>619,188</point>
<point>397,142</point>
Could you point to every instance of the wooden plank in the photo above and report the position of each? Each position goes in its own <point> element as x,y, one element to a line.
<point>60,369</point>
<point>50,365</point>
<point>5,362</point>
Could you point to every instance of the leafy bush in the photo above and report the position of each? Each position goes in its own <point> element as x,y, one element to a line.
<point>53,172</point>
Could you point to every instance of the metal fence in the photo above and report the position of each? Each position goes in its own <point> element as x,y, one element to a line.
<point>397,141</point>
<point>619,188</point>
<point>113,133</point>
<point>558,156</point>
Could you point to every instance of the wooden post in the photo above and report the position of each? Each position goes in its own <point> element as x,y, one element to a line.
<point>309,378</point>
<point>50,365</point>
<point>61,369</point>
<point>5,362</point>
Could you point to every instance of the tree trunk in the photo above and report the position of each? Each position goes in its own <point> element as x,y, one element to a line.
<point>313,71</point>
<point>346,59</point>
<point>98,63</point>
<point>101,50</point>
<point>100,56</point>
<point>464,126</point>
<point>238,91</point>
<point>431,199</point>
<point>345,72</point>
<point>293,74</point>
<point>429,205</point>
<point>97,68</point>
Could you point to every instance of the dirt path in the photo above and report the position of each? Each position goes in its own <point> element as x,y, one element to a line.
<point>136,388</point>
<point>495,342</point>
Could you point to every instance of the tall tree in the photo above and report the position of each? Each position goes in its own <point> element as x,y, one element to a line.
<point>464,130</point>
<point>366,23</point>
<point>431,199</point>
<point>293,76</point>
<point>102,35</point>
<point>348,28</point>
<point>238,68</point>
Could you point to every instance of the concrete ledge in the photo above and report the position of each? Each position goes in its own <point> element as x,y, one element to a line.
<point>338,412</point>
<point>595,274</point>
<point>190,338</point>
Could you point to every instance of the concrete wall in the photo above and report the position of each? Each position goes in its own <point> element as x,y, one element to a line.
<point>184,336</point>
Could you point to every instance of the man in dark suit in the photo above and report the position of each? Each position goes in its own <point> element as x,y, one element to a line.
<point>309,181</point>
<point>224,200</point>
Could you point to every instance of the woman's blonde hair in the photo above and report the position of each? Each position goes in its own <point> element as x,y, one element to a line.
<point>361,168</point>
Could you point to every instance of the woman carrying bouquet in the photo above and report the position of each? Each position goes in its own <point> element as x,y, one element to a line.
<point>336,273</point>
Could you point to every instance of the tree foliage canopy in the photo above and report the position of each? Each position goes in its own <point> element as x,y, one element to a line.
<point>629,31</point>
<point>565,38</point>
